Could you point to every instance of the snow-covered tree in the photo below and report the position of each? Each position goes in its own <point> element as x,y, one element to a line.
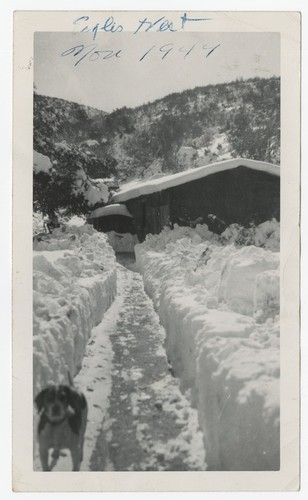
<point>62,182</point>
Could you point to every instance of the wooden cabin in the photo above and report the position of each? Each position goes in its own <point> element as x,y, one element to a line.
<point>236,191</point>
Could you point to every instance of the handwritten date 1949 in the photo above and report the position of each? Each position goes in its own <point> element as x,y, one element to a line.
<point>168,48</point>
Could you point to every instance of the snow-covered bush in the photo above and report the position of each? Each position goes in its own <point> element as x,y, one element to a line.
<point>74,283</point>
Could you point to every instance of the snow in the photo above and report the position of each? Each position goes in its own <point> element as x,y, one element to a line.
<point>163,426</point>
<point>238,278</point>
<point>268,235</point>
<point>218,300</point>
<point>115,209</point>
<point>125,385</point>
<point>94,380</point>
<point>265,235</point>
<point>186,155</point>
<point>93,192</point>
<point>183,415</point>
<point>220,147</point>
<point>139,188</point>
<point>75,220</point>
<point>74,283</point>
<point>41,163</point>
<point>266,294</point>
<point>62,145</point>
<point>154,170</point>
<point>219,304</point>
<point>91,143</point>
<point>124,242</point>
<point>37,222</point>
<point>97,194</point>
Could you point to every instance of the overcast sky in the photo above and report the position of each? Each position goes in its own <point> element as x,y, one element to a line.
<point>148,66</point>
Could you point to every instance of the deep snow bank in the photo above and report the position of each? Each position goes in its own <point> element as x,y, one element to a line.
<point>74,283</point>
<point>219,304</point>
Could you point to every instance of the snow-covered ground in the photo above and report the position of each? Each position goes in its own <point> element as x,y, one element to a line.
<point>138,418</point>
<point>74,283</point>
<point>217,298</point>
<point>39,221</point>
<point>219,149</point>
<point>219,304</point>
<point>122,242</point>
<point>94,380</point>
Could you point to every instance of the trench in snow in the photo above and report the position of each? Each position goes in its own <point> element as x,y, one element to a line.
<point>138,418</point>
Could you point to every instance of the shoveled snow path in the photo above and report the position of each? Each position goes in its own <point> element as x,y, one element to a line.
<point>149,423</point>
<point>138,418</point>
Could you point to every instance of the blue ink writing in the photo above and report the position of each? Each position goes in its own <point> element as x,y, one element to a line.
<point>186,19</point>
<point>109,26</point>
<point>160,25</point>
<point>90,52</point>
<point>163,24</point>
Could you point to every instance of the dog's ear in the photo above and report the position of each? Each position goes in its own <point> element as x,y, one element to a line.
<point>40,398</point>
<point>76,399</point>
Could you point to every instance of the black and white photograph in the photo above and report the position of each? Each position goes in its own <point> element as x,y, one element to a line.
<point>156,199</point>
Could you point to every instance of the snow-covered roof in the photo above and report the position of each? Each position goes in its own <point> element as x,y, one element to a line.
<point>115,209</point>
<point>139,188</point>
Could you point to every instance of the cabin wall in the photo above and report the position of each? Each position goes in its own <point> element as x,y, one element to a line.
<point>239,195</point>
<point>151,213</point>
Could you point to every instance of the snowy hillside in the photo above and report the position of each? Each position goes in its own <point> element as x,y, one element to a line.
<point>57,121</point>
<point>212,123</point>
<point>205,124</point>
<point>219,304</point>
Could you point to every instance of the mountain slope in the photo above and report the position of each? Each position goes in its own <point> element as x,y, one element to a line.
<point>171,134</point>
<point>57,121</point>
<point>245,113</point>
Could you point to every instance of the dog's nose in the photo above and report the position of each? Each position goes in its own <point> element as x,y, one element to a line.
<point>56,410</point>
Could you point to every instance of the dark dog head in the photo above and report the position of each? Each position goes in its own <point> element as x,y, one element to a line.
<point>56,399</point>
